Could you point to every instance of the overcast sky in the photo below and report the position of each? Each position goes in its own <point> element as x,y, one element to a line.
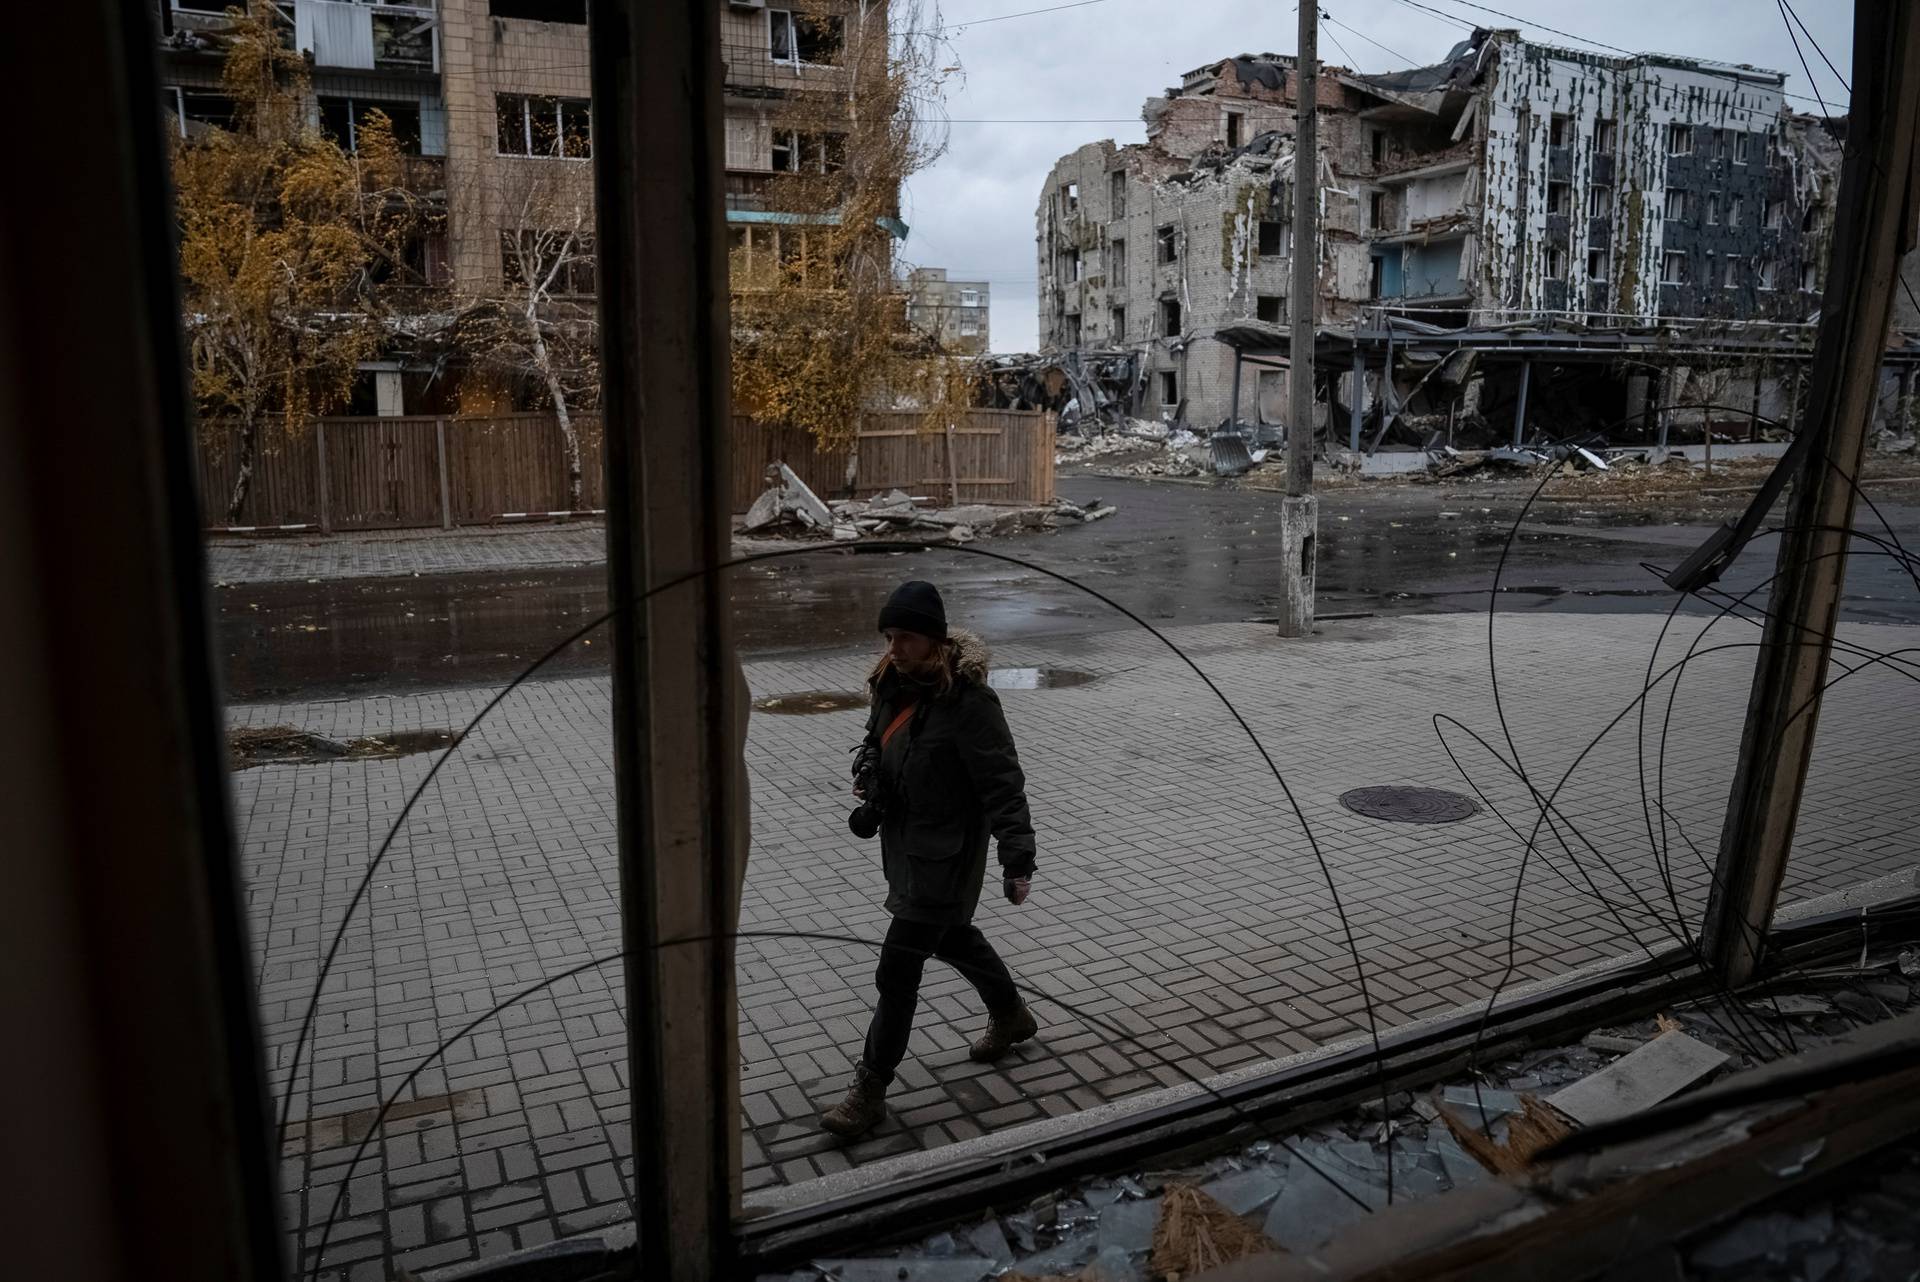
<point>1083,72</point>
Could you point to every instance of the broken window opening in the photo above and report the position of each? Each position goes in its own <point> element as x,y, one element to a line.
<point>1169,387</point>
<point>1119,324</point>
<point>1605,134</point>
<point>1599,201</point>
<point>1676,205</point>
<point>805,39</point>
<point>1377,211</point>
<point>1116,264</point>
<point>341,119</point>
<point>573,12</point>
<point>194,111</point>
<point>1732,278</point>
<point>534,125</point>
<point>1679,140</point>
<point>1168,247</point>
<point>1559,130</point>
<point>1556,263</point>
<point>784,156</point>
<point>1266,307</point>
<point>1713,209</point>
<point>1742,142</point>
<point>1379,141</point>
<point>1764,277</point>
<point>1235,123</point>
<point>1560,199</point>
<point>1273,239</point>
<point>1736,211</point>
<point>1071,324</point>
<point>1810,278</point>
<point>1673,268</point>
<point>1117,193</point>
<point>1598,265</point>
<point>1070,198</point>
<point>1070,265</point>
<point>1775,214</point>
<point>1170,317</point>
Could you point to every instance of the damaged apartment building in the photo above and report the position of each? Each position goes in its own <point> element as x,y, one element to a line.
<point>1512,184</point>
<point>492,101</point>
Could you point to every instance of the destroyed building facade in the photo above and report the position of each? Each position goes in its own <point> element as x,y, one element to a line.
<point>951,312</point>
<point>1511,182</point>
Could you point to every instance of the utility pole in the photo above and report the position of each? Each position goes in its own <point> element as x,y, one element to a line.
<point>1299,515</point>
<point>1874,227</point>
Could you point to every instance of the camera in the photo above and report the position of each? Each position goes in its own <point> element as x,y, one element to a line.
<point>865,821</point>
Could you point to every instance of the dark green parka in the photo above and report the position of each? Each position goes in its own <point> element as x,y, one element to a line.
<point>950,778</point>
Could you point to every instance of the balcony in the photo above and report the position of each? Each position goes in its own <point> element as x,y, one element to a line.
<point>360,36</point>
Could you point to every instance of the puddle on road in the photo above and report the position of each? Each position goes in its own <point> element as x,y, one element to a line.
<point>1038,678</point>
<point>808,702</point>
<point>251,746</point>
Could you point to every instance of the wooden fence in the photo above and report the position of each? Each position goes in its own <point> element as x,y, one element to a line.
<point>410,472</point>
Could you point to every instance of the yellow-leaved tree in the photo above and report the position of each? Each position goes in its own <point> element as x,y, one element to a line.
<point>287,243</point>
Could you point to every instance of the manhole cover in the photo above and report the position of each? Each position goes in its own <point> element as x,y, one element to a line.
<point>1399,804</point>
<point>805,702</point>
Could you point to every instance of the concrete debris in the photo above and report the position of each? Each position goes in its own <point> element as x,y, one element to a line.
<point>1612,1045</point>
<point>784,511</point>
<point>1659,1070</point>
<point>1790,1004</point>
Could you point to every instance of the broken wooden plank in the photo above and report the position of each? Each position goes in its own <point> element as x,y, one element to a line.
<point>1659,1070</point>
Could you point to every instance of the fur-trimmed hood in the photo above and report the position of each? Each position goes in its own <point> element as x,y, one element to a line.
<point>968,660</point>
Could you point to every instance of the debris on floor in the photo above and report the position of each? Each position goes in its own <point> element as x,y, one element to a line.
<point>787,510</point>
<point>1296,1193</point>
<point>250,746</point>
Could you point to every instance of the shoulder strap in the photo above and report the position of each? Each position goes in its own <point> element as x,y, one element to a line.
<point>898,721</point>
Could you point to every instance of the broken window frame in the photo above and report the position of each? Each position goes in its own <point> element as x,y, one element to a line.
<point>1766,275</point>
<point>1170,318</point>
<point>1234,127</point>
<point>494,8</point>
<point>1713,209</point>
<point>1116,264</point>
<point>1556,262</point>
<point>1274,303</point>
<point>175,98</point>
<point>1117,193</point>
<point>1118,320</point>
<point>1376,211</point>
<point>789,32</point>
<point>1378,143</point>
<point>1732,272</point>
<point>1677,204</point>
<point>1069,198</point>
<point>1679,139</point>
<point>1599,200</point>
<point>1166,245</point>
<point>1559,129</point>
<point>1170,388</point>
<point>1736,211</point>
<point>1773,215</point>
<point>409,140</point>
<point>1277,239</point>
<point>1810,277</point>
<point>1606,136</point>
<point>1742,148</point>
<point>571,136</point>
<point>1673,267</point>
<point>1560,198</point>
<point>1072,267</point>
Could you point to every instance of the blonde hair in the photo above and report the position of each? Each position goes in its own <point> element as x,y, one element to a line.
<point>947,648</point>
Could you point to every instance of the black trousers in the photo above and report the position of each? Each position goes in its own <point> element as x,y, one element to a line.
<point>902,959</point>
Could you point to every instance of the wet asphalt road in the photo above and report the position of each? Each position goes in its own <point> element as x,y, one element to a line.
<point>1174,553</point>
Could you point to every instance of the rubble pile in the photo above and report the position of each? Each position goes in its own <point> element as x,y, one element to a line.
<point>1295,1193</point>
<point>789,509</point>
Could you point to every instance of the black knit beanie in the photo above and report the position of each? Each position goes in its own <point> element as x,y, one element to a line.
<point>916,607</point>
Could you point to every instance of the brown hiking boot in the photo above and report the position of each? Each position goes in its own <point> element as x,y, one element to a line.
<point>864,1108</point>
<point>1004,1032</point>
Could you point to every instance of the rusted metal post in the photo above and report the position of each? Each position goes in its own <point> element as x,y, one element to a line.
<point>1299,516</point>
<point>1874,228</point>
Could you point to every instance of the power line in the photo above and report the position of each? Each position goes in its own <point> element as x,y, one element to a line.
<point>1364,36</point>
<point>1351,60</point>
<point>1817,49</point>
<point>1025,13</point>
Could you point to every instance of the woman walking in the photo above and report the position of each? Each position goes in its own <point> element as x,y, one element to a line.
<point>939,773</point>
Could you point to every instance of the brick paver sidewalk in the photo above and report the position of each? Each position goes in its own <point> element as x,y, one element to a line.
<point>1176,898</point>
<point>390,553</point>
